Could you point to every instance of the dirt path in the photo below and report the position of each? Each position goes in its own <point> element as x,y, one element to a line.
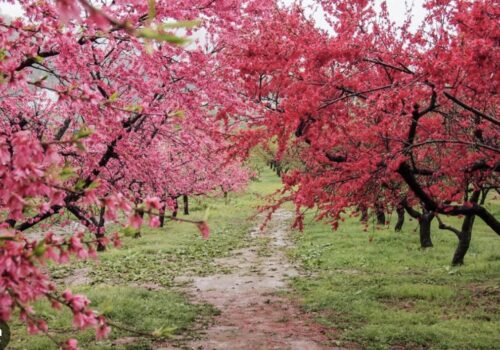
<point>253,315</point>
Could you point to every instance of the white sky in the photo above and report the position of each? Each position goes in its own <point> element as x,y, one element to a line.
<point>396,10</point>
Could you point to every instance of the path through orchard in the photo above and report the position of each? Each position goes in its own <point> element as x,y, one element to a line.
<point>253,313</point>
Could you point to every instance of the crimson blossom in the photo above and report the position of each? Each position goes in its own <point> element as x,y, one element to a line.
<point>383,117</point>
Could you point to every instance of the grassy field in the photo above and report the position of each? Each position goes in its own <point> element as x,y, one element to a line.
<point>380,290</point>
<point>372,286</point>
<point>132,286</point>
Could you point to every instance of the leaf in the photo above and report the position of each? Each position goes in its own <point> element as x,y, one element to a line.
<point>151,10</point>
<point>182,24</point>
<point>38,59</point>
<point>67,173</point>
<point>40,249</point>
<point>133,108</point>
<point>82,133</point>
<point>94,184</point>
<point>150,33</point>
<point>80,184</point>
<point>178,114</point>
<point>113,97</point>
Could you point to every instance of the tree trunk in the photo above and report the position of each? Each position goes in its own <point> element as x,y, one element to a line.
<point>185,199</point>
<point>138,232</point>
<point>380,217</point>
<point>176,207</point>
<point>364,215</point>
<point>425,221</point>
<point>401,219</point>
<point>466,233</point>
<point>100,231</point>
<point>379,214</point>
<point>226,199</point>
<point>162,216</point>
<point>463,240</point>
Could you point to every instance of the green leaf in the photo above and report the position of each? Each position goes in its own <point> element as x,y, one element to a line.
<point>3,54</point>
<point>93,185</point>
<point>38,59</point>
<point>178,114</point>
<point>182,24</point>
<point>113,97</point>
<point>40,249</point>
<point>133,108</point>
<point>82,133</point>
<point>150,33</point>
<point>80,184</point>
<point>152,10</point>
<point>67,173</point>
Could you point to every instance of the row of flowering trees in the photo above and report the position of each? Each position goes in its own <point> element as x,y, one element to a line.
<point>383,118</point>
<point>103,114</point>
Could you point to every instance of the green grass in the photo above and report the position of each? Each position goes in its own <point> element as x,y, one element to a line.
<point>382,291</point>
<point>132,286</point>
<point>160,312</point>
<point>376,286</point>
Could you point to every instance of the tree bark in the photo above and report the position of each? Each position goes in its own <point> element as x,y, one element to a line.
<point>425,221</point>
<point>100,231</point>
<point>364,215</point>
<point>162,217</point>
<point>463,240</point>
<point>401,219</point>
<point>380,217</point>
<point>185,200</point>
<point>176,207</point>
<point>465,234</point>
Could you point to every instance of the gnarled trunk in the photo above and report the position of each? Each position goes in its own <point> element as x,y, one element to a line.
<point>463,240</point>
<point>465,235</point>
<point>401,219</point>
<point>424,222</point>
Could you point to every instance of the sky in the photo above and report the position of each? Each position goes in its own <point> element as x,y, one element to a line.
<point>396,10</point>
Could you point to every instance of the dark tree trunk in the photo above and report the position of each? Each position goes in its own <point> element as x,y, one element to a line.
<point>185,200</point>
<point>226,199</point>
<point>465,234</point>
<point>162,217</point>
<point>425,221</point>
<point>364,215</point>
<point>100,231</point>
<point>463,240</point>
<point>380,217</point>
<point>401,219</point>
<point>138,232</point>
<point>176,207</point>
